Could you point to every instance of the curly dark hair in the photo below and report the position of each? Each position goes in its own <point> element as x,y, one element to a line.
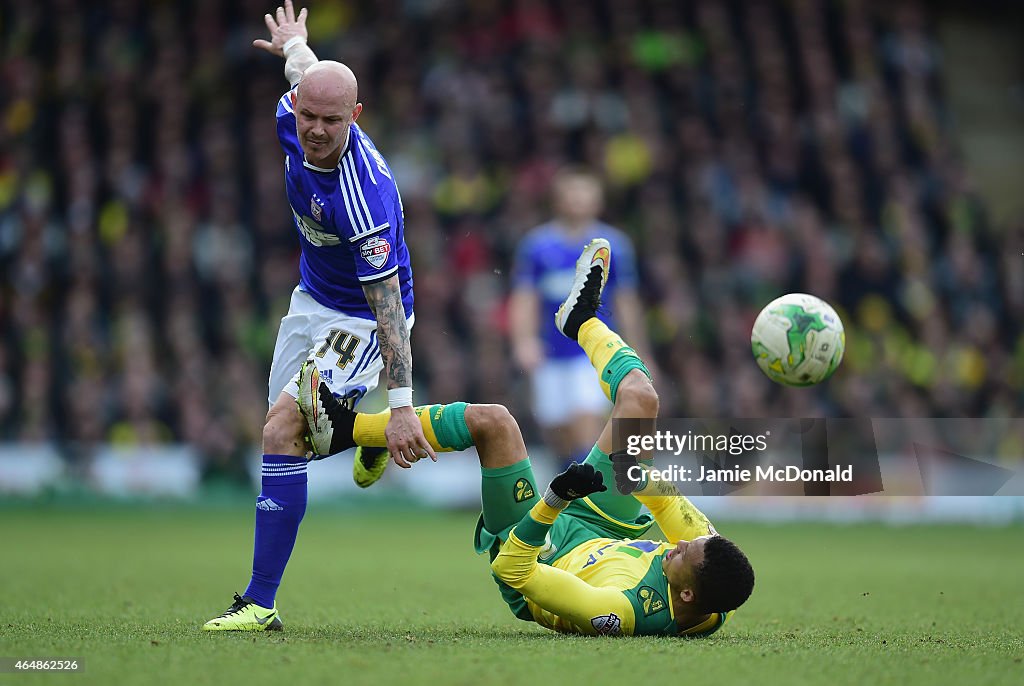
<point>725,578</point>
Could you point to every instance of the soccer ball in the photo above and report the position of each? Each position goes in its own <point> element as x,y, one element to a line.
<point>798,340</point>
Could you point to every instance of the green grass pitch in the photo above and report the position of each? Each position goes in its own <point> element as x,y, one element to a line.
<point>399,597</point>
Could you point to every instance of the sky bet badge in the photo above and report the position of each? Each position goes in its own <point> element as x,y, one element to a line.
<point>376,251</point>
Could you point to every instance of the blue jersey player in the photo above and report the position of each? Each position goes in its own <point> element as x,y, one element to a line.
<point>567,405</point>
<point>351,311</point>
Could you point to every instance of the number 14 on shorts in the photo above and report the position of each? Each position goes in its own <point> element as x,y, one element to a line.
<point>343,344</point>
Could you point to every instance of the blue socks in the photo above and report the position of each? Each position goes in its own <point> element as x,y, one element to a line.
<point>279,510</point>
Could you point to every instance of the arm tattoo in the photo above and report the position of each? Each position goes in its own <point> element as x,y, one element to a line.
<point>385,299</point>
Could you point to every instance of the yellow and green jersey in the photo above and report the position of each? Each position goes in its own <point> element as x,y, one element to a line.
<point>575,581</point>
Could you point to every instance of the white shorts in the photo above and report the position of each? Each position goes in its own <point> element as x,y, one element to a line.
<point>566,388</point>
<point>345,349</point>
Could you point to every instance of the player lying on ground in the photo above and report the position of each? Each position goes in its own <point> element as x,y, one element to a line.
<point>571,561</point>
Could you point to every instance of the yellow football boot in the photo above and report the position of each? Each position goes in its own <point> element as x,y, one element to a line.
<point>369,465</point>
<point>246,615</point>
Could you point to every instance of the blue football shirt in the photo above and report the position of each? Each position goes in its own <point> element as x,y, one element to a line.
<point>349,219</point>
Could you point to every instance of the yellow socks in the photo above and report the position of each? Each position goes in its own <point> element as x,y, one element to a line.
<point>611,357</point>
<point>444,426</point>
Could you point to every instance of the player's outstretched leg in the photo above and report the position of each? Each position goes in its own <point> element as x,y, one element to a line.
<point>508,486</point>
<point>334,427</point>
<point>623,376</point>
<point>577,319</point>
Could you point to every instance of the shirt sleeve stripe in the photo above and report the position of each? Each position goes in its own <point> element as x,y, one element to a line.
<point>361,236</point>
<point>350,166</point>
<point>378,277</point>
<point>358,224</point>
<point>369,167</point>
<point>286,102</point>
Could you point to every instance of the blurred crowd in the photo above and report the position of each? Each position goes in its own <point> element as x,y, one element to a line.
<point>748,148</point>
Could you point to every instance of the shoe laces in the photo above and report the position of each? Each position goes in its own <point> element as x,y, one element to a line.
<point>237,606</point>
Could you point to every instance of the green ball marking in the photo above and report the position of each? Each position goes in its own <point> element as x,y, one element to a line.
<point>801,322</point>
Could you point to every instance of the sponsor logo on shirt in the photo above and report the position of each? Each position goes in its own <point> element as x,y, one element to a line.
<point>313,232</point>
<point>375,251</point>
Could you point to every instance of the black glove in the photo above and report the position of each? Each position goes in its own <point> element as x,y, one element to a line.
<point>578,481</point>
<point>621,462</point>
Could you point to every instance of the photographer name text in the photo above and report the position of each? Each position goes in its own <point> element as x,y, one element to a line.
<point>839,473</point>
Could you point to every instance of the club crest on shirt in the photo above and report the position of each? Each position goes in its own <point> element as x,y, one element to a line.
<point>650,600</point>
<point>607,625</point>
<point>316,206</point>
<point>375,251</point>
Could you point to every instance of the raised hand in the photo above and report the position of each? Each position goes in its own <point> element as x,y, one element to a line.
<point>283,27</point>
<point>578,481</point>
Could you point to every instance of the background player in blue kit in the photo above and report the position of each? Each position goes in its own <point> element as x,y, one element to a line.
<point>566,404</point>
<point>351,311</point>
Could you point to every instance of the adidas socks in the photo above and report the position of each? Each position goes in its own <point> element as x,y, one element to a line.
<point>279,510</point>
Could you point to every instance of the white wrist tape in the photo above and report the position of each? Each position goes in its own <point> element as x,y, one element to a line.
<point>554,500</point>
<point>291,43</point>
<point>400,397</point>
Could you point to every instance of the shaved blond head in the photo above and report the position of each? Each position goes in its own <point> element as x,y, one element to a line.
<point>329,81</point>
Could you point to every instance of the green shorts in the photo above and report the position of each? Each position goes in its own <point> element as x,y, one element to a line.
<point>510,492</point>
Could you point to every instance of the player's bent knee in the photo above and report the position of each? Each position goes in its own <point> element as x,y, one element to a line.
<point>283,432</point>
<point>488,420</point>
<point>637,394</point>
